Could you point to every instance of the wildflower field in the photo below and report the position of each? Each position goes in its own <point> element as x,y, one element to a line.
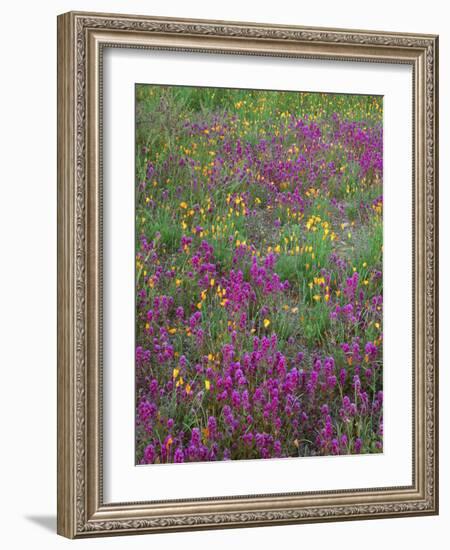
<point>259,247</point>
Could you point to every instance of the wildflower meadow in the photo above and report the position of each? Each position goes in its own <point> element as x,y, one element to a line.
<point>259,288</point>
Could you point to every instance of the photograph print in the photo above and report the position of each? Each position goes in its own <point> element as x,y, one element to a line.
<point>259,274</point>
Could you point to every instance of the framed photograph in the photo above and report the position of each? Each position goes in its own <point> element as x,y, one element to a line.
<point>247,274</point>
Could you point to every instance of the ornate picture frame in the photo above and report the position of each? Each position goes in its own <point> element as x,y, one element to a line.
<point>82,38</point>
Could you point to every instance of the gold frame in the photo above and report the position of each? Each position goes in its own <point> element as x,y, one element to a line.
<point>81,38</point>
